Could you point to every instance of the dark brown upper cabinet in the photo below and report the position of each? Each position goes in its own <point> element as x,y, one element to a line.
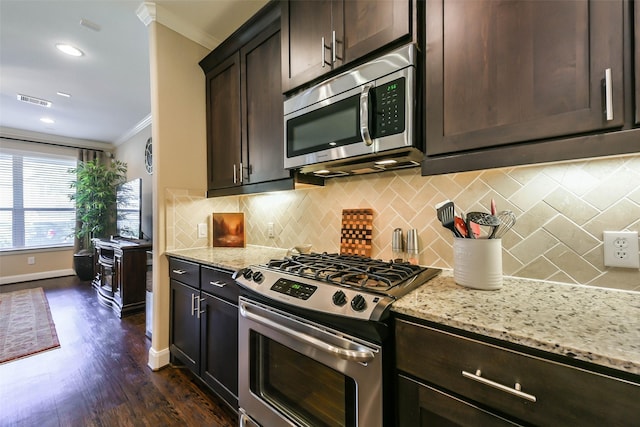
<point>319,36</point>
<point>504,73</point>
<point>245,139</point>
<point>636,44</point>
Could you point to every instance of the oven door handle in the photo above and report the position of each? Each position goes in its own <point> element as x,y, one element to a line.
<point>362,356</point>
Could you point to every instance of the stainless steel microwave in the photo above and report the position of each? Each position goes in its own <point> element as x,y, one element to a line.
<point>360,121</point>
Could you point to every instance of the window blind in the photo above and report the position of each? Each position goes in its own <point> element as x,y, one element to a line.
<point>35,209</point>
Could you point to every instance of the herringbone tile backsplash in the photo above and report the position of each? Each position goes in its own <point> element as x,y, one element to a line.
<point>561,208</point>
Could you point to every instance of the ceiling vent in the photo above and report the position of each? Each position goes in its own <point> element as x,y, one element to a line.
<point>35,101</point>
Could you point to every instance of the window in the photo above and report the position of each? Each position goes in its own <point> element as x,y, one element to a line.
<point>35,210</point>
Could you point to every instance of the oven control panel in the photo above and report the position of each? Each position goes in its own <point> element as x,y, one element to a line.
<point>292,288</point>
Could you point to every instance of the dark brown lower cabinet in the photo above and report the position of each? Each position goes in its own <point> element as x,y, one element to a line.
<point>451,379</point>
<point>219,347</point>
<point>421,405</point>
<point>203,330</point>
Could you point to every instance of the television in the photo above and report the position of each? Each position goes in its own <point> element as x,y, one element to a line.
<point>129,209</point>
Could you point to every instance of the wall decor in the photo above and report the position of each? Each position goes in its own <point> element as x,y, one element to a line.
<point>228,230</point>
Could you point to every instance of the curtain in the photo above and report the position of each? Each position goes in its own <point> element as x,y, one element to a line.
<point>86,155</point>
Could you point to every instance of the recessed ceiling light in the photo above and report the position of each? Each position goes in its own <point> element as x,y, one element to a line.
<point>69,50</point>
<point>66,95</point>
<point>47,120</point>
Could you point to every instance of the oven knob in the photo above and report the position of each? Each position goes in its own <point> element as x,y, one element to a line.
<point>246,273</point>
<point>358,303</point>
<point>339,298</point>
<point>258,277</point>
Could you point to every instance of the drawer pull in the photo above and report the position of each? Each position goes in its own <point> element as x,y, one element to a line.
<point>516,390</point>
<point>218,284</point>
<point>180,272</point>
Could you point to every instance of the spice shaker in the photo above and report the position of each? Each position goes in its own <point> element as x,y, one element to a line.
<point>412,246</point>
<point>397,245</point>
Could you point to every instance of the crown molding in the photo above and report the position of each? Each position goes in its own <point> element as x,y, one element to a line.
<point>149,12</point>
<point>142,124</point>
<point>26,135</point>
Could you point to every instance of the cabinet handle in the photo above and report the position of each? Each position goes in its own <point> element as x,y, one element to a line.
<point>218,284</point>
<point>333,47</point>
<point>322,53</point>
<point>193,304</point>
<point>516,390</point>
<point>179,272</point>
<point>199,308</point>
<point>235,177</point>
<point>608,93</point>
<point>241,173</point>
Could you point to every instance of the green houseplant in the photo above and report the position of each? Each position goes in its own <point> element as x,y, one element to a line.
<point>95,198</point>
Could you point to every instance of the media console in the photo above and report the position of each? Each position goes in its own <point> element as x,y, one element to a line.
<point>121,267</point>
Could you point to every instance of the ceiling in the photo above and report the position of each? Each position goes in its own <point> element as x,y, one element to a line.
<point>109,84</point>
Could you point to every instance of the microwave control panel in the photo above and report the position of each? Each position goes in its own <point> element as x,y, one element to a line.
<point>389,108</point>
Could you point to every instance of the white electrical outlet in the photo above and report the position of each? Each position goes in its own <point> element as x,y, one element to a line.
<point>31,260</point>
<point>270,233</point>
<point>202,230</point>
<point>621,249</point>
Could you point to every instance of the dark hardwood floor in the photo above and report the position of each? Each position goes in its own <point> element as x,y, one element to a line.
<point>99,375</point>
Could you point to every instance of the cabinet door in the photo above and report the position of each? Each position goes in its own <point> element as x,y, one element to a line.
<point>224,124</point>
<point>184,330</point>
<point>370,25</point>
<point>219,346</point>
<point>304,56</point>
<point>420,405</point>
<point>502,71</point>
<point>262,100</point>
<point>636,38</point>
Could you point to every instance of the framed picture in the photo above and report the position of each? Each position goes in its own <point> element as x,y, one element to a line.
<point>228,230</point>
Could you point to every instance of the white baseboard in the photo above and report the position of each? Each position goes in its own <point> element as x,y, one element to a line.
<point>36,276</point>
<point>158,359</point>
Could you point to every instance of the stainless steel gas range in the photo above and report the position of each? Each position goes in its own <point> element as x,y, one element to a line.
<point>313,339</point>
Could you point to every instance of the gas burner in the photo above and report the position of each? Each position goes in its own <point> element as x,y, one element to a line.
<point>350,286</point>
<point>347,270</point>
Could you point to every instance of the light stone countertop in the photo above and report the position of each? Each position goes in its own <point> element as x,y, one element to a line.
<point>229,258</point>
<point>596,325</point>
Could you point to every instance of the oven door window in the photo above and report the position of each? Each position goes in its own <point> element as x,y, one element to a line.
<point>327,127</point>
<point>303,389</point>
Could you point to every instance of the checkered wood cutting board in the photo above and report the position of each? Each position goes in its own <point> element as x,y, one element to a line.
<point>357,227</point>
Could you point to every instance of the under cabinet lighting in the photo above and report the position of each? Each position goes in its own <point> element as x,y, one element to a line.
<point>66,95</point>
<point>386,162</point>
<point>47,120</point>
<point>69,50</point>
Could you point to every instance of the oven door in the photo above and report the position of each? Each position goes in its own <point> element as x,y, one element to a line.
<point>293,372</point>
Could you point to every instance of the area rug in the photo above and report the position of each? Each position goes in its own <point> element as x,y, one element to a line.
<point>26,326</point>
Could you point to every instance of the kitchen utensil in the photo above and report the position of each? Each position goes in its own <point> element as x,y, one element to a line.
<point>485,219</point>
<point>397,244</point>
<point>446,215</point>
<point>461,226</point>
<point>507,220</point>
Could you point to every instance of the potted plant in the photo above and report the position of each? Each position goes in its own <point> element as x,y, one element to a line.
<point>95,199</point>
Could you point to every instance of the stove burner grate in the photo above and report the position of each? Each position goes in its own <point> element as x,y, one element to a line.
<point>347,270</point>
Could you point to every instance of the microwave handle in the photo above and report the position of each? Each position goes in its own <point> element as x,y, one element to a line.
<point>364,114</point>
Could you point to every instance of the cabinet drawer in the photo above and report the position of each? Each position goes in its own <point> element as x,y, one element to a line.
<point>219,283</point>
<point>185,271</point>
<point>549,392</point>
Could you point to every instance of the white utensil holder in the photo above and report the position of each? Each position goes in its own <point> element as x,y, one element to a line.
<point>477,263</point>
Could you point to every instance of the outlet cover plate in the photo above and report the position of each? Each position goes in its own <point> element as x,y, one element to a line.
<point>202,230</point>
<point>621,249</point>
